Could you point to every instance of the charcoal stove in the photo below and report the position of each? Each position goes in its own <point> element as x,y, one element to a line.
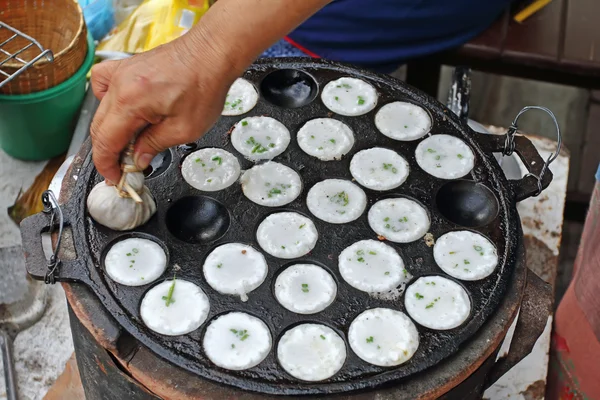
<point>106,316</point>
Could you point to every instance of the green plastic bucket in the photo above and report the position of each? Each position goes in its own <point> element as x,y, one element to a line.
<point>39,126</point>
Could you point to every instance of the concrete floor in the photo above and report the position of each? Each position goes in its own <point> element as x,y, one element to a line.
<point>43,349</point>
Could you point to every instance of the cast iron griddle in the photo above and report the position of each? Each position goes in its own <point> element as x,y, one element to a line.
<point>190,224</point>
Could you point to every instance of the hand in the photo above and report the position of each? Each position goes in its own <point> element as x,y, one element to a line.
<point>175,93</point>
<point>166,95</point>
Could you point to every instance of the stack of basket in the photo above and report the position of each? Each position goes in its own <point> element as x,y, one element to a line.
<point>38,108</point>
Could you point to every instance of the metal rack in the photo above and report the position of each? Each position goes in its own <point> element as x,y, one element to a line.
<point>6,77</point>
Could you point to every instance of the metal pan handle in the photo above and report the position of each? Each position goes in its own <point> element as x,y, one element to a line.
<point>538,175</point>
<point>536,307</point>
<point>50,220</point>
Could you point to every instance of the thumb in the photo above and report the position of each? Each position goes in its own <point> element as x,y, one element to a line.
<point>153,140</point>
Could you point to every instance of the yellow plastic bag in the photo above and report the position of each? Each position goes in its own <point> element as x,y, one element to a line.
<point>153,23</point>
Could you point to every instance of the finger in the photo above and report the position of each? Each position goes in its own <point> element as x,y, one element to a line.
<point>157,138</point>
<point>111,133</point>
<point>101,77</point>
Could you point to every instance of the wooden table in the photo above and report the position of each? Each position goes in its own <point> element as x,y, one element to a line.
<point>560,44</point>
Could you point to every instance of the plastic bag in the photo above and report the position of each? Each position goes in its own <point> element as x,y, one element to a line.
<point>153,23</point>
<point>99,16</point>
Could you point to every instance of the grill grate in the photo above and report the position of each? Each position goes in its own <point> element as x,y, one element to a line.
<point>6,77</point>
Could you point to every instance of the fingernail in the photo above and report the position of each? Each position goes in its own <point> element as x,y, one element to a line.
<point>143,160</point>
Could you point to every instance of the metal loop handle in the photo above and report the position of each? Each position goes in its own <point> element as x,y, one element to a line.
<point>509,143</point>
<point>51,207</point>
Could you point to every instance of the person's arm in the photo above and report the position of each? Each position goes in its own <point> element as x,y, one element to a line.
<point>175,93</point>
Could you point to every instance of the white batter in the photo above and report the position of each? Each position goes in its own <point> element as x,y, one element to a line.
<point>135,262</point>
<point>174,307</point>
<point>237,341</point>
<point>311,352</point>
<point>241,98</point>
<point>305,289</point>
<point>325,138</point>
<point>437,303</point>
<point>349,96</point>
<point>287,235</point>
<point>235,268</point>
<point>465,255</point>
<point>399,220</point>
<point>336,201</point>
<point>383,337</point>
<point>260,138</point>
<point>445,157</point>
<point>379,169</point>
<point>372,266</point>
<point>210,169</point>
<point>403,121</point>
<point>271,184</point>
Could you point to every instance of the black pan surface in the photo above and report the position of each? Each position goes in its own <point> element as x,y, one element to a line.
<point>484,202</point>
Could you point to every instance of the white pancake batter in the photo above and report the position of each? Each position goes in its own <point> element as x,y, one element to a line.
<point>311,352</point>
<point>403,121</point>
<point>237,341</point>
<point>260,138</point>
<point>349,96</point>
<point>210,169</point>
<point>325,138</point>
<point>437,303</point>
<point>235,268</point>
<point>399,220</point>
<point>379,169</point>
<point>174,307</point>
<point>336,201</point>
<point>271,184</point>
<point>383,337</point>
<point>135,261</point>
<point>305,289</point>
<point>287,235</point>
<point>372,266</point>
<point>241,98</point>
<point>465,255</point>
<point>445,157</point>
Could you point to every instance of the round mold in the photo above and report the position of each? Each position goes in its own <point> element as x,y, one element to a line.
<point>238,338</point>
<point>159,164</point>
<point>299,269</point>
<point>133,235</point>
<point>289,88</point>
<point>202,314</point>
<point>462,285</point>
<point>467,203</point>
<point>310,319</point>
<point>197,219</point>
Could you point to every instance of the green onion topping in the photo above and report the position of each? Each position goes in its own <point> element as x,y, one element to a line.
<point>169,297</point>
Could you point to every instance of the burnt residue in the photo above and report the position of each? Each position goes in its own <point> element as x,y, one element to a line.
<point>535,391</point>
<point>502,227</point>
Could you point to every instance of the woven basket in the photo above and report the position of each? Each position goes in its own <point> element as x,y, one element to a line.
<point>55,24</point>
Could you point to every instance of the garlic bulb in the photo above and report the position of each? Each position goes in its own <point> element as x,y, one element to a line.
<point>124,206</point>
